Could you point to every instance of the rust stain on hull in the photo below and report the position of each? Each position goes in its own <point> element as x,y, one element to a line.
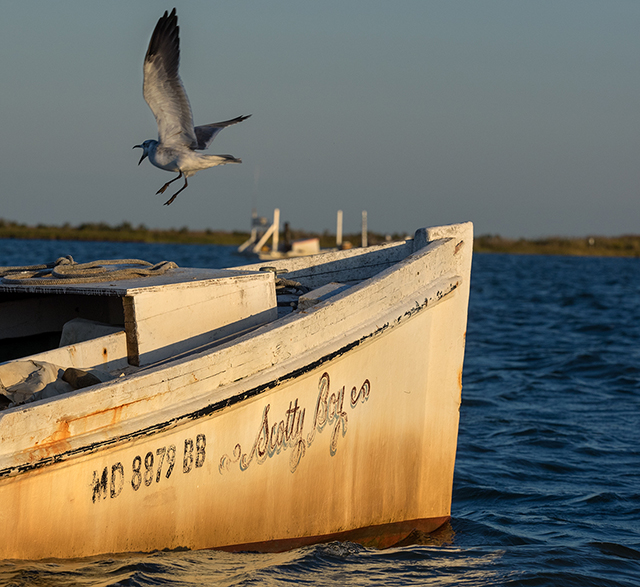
<point>58,441</point>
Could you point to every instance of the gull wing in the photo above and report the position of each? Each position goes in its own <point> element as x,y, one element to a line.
<point>162,88</point>
<point>207,132</point>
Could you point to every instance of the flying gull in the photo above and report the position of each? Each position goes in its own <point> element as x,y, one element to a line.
<point>178,140</point>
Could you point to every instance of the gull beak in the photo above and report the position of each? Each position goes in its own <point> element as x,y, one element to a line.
<point>144,153</point>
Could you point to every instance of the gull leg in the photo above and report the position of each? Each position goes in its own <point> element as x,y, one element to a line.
<point>163,189</point>
<point>174,195</point>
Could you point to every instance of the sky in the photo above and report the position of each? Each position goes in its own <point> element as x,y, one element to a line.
<point>522,117</point>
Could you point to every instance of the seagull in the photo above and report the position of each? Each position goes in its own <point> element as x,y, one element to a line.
<point>178,140</point>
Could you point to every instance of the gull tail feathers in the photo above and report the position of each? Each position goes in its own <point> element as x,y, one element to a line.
<point>222,159</point>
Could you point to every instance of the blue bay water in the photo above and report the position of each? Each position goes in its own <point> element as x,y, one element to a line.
<point>547,482</point>
<point>33,252</point>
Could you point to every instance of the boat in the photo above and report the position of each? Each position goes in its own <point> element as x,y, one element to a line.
<point>248,409</point>
<point>262,231</point>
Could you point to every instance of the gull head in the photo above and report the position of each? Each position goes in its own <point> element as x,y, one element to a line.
<point>146,147</point>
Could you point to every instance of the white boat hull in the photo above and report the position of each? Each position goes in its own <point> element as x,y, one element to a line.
<point>337,424</point>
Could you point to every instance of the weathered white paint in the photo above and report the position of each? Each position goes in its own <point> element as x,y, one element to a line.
<point>162,315</point>
<point>319,295</point>
<point>398,335</point>
<point>346,265</point>
<point>161,324</point>
<point>108,353</point>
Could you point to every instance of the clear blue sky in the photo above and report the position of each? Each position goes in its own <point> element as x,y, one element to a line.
<point>523,117</point>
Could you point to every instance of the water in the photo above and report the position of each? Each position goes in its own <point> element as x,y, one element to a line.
<point>547,484</point>
<point>34,252</point>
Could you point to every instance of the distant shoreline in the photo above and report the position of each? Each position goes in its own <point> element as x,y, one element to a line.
<point>125,232</point>
<point>600,246</point>
<point>592,246</point>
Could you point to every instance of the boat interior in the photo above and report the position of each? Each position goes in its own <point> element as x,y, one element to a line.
<point>56,336</point>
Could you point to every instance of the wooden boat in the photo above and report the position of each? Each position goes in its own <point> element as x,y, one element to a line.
<point>248,410</point>
<point>261,232</point>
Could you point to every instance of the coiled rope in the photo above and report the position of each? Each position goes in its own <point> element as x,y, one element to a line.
<point>65,268</point>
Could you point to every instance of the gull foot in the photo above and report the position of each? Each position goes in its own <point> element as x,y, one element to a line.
<point>170,200</point>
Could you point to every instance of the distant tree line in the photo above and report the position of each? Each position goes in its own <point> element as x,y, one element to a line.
<point>126,232</point>
<point>593,246</point>
<point>621,246</point>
